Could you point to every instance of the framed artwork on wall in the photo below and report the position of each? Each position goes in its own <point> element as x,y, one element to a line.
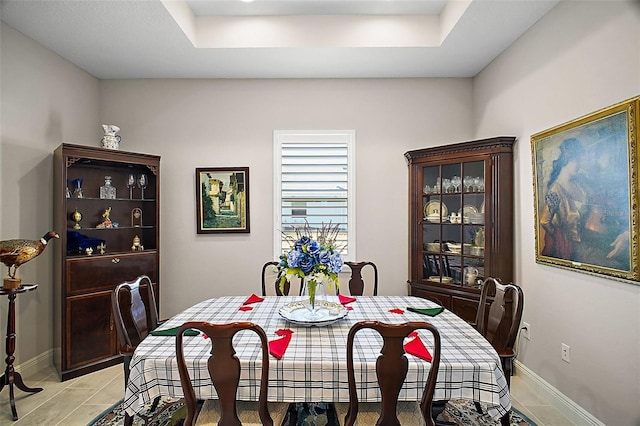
<point>222,200</point>
<point>586,193</point>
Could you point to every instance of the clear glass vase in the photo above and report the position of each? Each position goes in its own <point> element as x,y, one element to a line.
<point>314,298</point>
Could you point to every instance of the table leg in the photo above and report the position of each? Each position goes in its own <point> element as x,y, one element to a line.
<point>10,376</point>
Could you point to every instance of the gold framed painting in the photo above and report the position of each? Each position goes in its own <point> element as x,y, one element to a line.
<point>222,200</point>
<point>586,193</point>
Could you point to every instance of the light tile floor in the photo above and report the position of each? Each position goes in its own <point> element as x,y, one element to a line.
<point>78,401</point>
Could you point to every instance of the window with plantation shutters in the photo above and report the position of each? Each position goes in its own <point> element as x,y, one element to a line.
<point>314,184</point>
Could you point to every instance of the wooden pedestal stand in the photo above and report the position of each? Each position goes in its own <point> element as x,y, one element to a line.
<point>10,376</point>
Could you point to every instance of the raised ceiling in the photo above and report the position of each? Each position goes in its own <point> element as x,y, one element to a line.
<point>276,38</point>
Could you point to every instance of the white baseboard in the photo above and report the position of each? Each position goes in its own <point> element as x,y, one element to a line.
<point>36,364</point>
<point>566,406</point>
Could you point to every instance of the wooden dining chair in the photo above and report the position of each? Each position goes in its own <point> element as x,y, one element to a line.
<point>224,370</point>
<point>135,315</point>
<point>498,319</point>
<point>271,281</point>
<point>436,265</point>
<point>391,369</point>
<point>358,279</point>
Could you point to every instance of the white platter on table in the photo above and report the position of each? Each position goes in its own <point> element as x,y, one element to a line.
<point>329,312</point>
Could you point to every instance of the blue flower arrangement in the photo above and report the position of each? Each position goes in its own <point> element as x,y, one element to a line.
<point>316,260</point>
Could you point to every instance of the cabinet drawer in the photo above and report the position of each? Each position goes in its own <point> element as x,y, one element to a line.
<point>442,299</point>
<point>105,272</point>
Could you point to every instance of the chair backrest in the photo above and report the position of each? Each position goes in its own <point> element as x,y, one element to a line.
<point>134,311</point>
<point>224,370</point>
<point>436,265</point>
<point>359,278</point>
<point>391,369</point>
<point>500,324</point>
<point>271,281</point>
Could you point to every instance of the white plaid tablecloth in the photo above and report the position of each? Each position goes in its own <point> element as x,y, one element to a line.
<point>314,367</point>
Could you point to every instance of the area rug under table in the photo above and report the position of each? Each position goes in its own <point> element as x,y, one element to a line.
<point>457,412</point>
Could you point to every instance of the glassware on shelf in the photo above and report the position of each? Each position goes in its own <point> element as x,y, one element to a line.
<point>142,183</point>
<point>131,183</point>
<point>68,193</point>
<point>456,181</point>
<point>446,185</point>
<point>468,183</point>
<point>77,188</point>
<point>107,191</point>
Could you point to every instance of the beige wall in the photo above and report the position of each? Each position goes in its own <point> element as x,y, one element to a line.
<point>45,101</point>
<point>196,123</point>
<point>581,57</point>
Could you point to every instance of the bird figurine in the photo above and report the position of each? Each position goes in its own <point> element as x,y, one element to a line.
<point>14,253</point>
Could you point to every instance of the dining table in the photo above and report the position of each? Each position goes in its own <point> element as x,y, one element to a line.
<point>314,366</point>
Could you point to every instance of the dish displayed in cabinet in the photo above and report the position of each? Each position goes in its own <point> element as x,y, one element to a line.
<point>468,209</point>
<point>457,248</point>
<point>435,211</point>
<point>440,279</point>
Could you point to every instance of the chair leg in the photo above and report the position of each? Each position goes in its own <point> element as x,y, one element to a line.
<point>507,367</point>
<point>506,419</point>
<point>478,407</point>
<point>156,401</point>
<point>126,361</point>
<point>128,420</point>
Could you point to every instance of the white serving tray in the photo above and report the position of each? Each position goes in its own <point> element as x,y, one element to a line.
<point>330,312</point>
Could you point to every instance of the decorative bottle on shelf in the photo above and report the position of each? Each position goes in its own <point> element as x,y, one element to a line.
<point>77,188</point>
<point>108,191</point>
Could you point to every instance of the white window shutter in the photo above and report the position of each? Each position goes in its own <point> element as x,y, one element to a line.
<point>314,183</point>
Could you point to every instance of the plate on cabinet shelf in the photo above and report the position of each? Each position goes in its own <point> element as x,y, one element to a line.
<point>468,208</point>
<point>432,209</point>
<point>440,279</point>
<point>467,212</point>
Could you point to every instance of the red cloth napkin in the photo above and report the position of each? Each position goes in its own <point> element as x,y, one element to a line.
<point>245,308</point>
<point>415,347</point>
<point>345,299</point>
<point>396,311</point>
<point>253,299</point>
<point>278,347</point>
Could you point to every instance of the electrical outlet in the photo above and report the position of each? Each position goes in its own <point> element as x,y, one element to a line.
<point>566,356</point>
<point>526,330</point>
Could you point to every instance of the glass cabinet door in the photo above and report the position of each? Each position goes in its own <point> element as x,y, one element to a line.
<point>453,222</point>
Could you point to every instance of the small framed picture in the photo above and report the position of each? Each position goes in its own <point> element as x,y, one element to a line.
<point>222,200</point>
<point>586,193</point>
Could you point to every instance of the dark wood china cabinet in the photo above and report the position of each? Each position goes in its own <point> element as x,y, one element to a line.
<point>460,220</point>
<point>108,220</point>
